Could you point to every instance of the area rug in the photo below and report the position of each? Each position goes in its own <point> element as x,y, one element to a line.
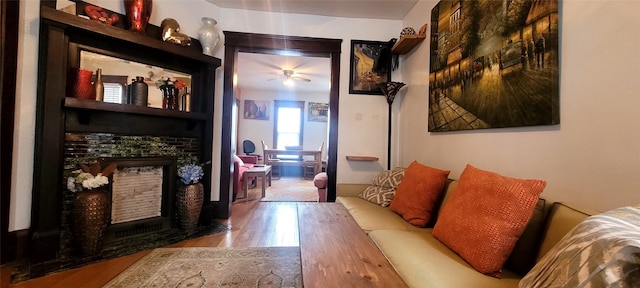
<point>286,189</point>
<point>215,267</point>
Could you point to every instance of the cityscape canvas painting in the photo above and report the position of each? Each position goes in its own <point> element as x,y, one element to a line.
<point>494,64</point>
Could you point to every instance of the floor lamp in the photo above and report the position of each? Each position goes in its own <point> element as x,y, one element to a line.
<point>390,89</point>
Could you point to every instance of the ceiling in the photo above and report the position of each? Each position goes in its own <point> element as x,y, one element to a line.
<point>264,72</point>
<point>371,9</point>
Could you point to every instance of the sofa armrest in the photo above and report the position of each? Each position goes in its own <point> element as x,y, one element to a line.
<point>249,159</point>
<point>350,190</point>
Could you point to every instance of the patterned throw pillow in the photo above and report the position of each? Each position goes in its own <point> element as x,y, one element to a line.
<point>484,217</point>
<point>383,187</point>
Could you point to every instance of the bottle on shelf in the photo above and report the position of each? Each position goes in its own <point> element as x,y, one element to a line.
<point>99,86</point>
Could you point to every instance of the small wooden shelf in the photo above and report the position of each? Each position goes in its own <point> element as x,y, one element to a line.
<point>406,43</point>
<point>362,158</point>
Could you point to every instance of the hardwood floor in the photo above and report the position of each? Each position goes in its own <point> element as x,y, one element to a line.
<point>253,224</point>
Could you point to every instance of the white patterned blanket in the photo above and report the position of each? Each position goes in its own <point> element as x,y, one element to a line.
<point>602,251</point>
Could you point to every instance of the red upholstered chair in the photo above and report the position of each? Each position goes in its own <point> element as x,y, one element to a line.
<point>320,181</point>
<point>241,163</point>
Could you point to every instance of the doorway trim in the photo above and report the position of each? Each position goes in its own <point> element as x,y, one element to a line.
<point>274,44</point>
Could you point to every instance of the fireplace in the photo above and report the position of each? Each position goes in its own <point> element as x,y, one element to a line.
<point>73,131</point>
<point>142,197</point>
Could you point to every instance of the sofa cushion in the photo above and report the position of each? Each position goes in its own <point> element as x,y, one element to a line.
<point>561,219</point>
<point>485,216</point>
<point>524,253</point>
<point>370,216</point>
<point>418,192</point>
<point>383,187</point>
<point>423,261</point>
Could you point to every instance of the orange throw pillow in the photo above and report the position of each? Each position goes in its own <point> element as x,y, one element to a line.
<point>418,192</point>
<point>484,217</point>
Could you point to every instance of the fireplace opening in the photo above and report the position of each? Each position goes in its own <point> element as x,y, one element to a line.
<point>142,197</point>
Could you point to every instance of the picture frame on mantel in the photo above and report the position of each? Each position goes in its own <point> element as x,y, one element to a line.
<point>370,66</point>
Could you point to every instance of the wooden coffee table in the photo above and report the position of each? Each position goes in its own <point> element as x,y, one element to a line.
<point>336,252</point>
<point>264,172</point>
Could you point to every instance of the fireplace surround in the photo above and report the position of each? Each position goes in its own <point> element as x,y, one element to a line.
<point>63,124</point>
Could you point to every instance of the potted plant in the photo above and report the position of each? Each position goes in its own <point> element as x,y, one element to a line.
<point>91,206</point>
<point>190,196</point>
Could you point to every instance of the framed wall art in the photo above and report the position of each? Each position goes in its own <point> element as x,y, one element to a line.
<point>370,65</point>
<point>493,64</point>
<point>318,112</point>
<point>258,110</point>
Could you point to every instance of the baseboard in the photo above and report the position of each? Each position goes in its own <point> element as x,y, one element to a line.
<point>14,247</point>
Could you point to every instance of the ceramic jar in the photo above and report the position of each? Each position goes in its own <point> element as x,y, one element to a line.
<point>208,35</point>
<point>138,92</point>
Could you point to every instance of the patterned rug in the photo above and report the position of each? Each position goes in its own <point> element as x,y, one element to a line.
<point>286,189</point>
<point>215,267</point>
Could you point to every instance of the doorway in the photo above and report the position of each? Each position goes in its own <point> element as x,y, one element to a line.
<point>236,42</point>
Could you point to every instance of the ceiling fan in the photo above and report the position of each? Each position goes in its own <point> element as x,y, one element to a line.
<point>289,76</point>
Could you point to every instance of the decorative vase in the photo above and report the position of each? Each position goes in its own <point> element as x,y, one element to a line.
<point>138,92</point>
<point>170,97</point>
<point>138,13</point>
<point>91,216</point>
<point>189,203</point>
<point>208,35</point>
<point>99,86</point>
<point>79,84</point>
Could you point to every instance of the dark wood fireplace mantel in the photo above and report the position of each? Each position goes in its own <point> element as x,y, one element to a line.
<point>62,37</point>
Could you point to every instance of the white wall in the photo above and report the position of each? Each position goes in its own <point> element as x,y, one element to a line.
<point>592,159</point>
<point>315,133</point>
<point>363,118</point>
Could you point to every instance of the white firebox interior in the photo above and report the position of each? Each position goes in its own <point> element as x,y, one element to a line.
<point>137,194</point>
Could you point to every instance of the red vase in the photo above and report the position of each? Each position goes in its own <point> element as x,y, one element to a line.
<point>138,14</point>
<point>79,84</point>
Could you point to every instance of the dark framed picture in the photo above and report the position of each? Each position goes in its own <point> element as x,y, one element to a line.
<point>509,77</point>
<point>369,67</point>
<point>257,110</point>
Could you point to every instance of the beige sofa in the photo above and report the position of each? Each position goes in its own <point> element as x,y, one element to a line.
<point>423,261</point>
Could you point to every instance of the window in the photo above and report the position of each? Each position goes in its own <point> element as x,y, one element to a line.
<point>113,93</point>
<point>288,125</point>
<point>114,88</point>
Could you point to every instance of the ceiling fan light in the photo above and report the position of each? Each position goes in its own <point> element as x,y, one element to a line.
<point>288,82</point>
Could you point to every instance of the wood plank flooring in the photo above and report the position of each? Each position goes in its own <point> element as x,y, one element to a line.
<point>253,224</point>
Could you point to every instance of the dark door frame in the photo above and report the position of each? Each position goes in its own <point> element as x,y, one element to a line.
<point>9,31</point>
<point>274,44</point>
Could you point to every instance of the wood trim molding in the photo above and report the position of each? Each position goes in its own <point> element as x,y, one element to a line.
<point>274,44</point>
<point>9,30</point>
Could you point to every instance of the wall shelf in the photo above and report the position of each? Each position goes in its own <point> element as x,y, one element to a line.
<point>362,158</point>
<point>406,43</point>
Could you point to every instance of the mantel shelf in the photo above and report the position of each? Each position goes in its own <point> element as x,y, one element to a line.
<point>406,43</point>
<point>362,158</point>
<point>70,102</point>
<point>82,25</point>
